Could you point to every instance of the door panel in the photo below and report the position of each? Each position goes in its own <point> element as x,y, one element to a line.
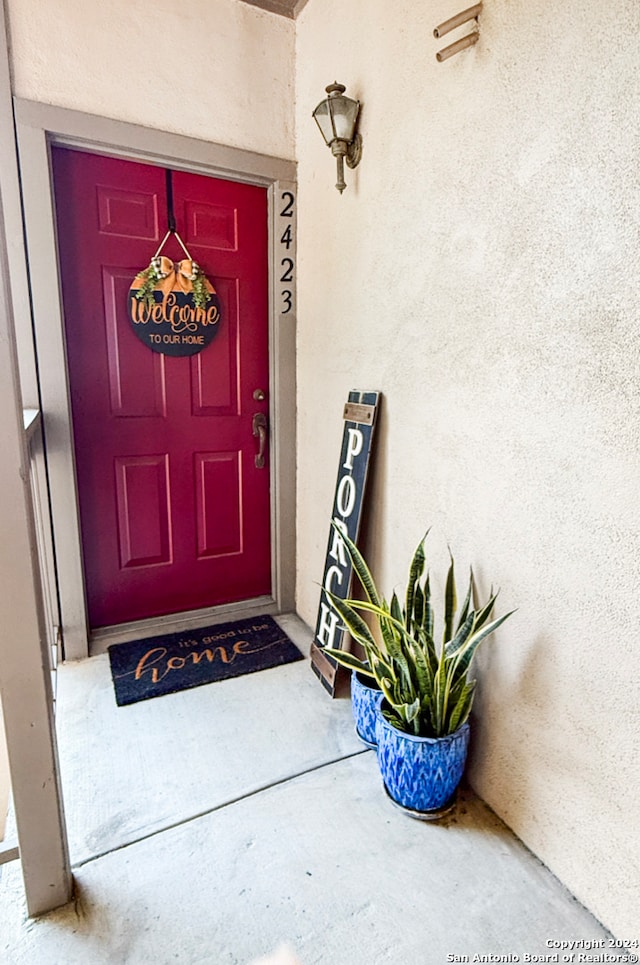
<point>136,376</point>
<point>214,387</point>
<point>174,512</point>
<point>219,529</point>
<point>127,213</point>
<point>211,225</point>
<point>145,538</point>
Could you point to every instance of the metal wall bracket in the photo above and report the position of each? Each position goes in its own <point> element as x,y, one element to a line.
<point>471,13</point>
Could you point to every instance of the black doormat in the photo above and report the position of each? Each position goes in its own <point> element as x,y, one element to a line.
<point>177,661</point>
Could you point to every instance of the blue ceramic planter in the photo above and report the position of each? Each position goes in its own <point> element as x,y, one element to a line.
<point>364,701</point>
<point>420,774</point>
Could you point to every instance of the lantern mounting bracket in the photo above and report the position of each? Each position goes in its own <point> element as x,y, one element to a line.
<point>354,152</point>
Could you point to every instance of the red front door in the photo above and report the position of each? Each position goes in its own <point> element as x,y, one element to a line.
<point>174,511</point>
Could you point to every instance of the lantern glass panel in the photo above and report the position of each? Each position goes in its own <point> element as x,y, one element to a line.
<point>345,113</point>
<point>323,120</point>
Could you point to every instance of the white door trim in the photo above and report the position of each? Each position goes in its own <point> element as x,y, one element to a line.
<point>25,682</point>
<point>38,127</point>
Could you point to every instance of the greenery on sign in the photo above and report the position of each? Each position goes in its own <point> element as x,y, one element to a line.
<point>150,278</point>
<point>201,293</point>
<point>153,274</point>
<point>427,687</point>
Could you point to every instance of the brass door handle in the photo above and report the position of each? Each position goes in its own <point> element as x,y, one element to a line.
<point>259,425</point>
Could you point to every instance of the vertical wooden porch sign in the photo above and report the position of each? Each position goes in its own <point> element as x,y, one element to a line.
<point>360,414</point>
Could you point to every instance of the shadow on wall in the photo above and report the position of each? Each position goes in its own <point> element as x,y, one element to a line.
<point>375,502</point>
<point>526,693</point>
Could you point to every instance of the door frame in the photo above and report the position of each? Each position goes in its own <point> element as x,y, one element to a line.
<point>39,126</point>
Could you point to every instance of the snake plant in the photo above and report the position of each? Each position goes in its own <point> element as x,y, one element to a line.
<point>426,684</point>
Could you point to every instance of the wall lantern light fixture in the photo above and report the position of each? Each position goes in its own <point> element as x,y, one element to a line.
<point>336,116</point>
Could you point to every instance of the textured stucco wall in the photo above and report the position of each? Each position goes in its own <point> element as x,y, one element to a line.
<point>218,70</point>
<point>481,270</point>
<point>5,779</point>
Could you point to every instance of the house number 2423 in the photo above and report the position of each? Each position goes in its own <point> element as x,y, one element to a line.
<point>286,248</point>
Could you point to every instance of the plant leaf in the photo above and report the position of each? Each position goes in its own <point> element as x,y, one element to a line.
<point>396,612</point>
<point>424,674</point>
<point>352,620</point>
<point>440,692</point>
<point>384,615</point>
<point>402,674</point>
<point>416,569</point>
<point>428,609</point>
<point>449,601</point>
<point>464,612</point>
<point>393,718</point>
<point>465,654</point>
<point>362,570</point>
<point>385,686</point>
<point>484,612</point>
<point>418,610</point>
<point>387,623</point>
<point>381,668</point>
<point>462,635</point>
<point>411,711</point>
<point>462,708</point>
<point>429,649</point>
<point>347,659</point>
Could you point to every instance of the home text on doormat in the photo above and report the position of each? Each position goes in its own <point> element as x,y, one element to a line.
<point>177,661</point>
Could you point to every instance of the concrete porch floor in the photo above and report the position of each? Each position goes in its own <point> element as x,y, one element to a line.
<point>210,826</point>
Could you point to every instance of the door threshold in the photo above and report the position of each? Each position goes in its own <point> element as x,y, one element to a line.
<point>103,637</point>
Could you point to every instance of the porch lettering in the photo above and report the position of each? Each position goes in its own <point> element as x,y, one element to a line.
<point>346,496</point>
<point>359,415</point>
<point>327,626</point>
<point>331,572</point>
<point>338,551</point>
<point>354,447</point>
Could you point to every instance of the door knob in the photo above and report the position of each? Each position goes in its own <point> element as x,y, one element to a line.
<point>259,426</point>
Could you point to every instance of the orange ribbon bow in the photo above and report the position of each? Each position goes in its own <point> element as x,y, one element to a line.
<point>174,275</point>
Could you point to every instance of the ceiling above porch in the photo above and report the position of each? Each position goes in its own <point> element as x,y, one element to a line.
<point>286,8</point>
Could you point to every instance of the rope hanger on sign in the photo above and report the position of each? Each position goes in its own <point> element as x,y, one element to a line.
<point>171,221</point>
<point>171,218</point>
<point>173,307</point>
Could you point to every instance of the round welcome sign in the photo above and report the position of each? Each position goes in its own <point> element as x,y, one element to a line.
<point>173,307</point>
